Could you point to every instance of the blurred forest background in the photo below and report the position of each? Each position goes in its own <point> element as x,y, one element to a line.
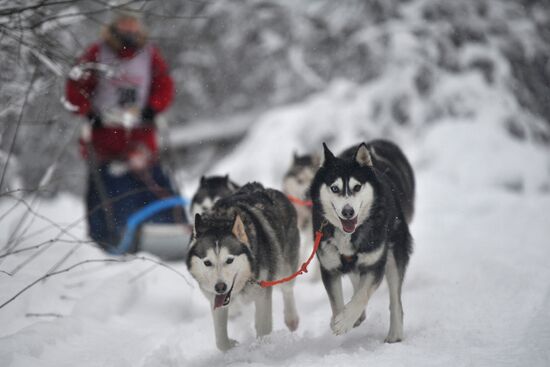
<point>233,60</point>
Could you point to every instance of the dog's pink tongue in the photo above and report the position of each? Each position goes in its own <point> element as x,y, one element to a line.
<point>349,225</point>
<point>219,299</point>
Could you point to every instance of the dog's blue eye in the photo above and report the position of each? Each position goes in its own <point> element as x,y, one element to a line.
<point>335,189</point>
<point>229,261</point>
<point>357,188</point>
<point>207,262</point>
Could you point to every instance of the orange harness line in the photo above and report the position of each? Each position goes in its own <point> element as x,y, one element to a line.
<point>303,268</point>
<point>298,201</point>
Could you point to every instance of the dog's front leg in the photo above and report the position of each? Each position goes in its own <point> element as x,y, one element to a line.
<point>220,328</point>
<point>291,315</point>
<point>333,286</point>
<point>264,315</point>
<point>345,320</point>
<point>354,277</point>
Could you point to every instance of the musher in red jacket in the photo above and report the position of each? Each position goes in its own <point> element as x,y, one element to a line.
<point>119,85</point>
<point>136,80</point>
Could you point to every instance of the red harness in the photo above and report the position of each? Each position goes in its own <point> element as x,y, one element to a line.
<point>298,201</point>
<point>303,268</point>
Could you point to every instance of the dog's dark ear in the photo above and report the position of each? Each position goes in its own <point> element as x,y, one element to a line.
<point>203,180</point>
<point>294,156</point>
<point>328,156</point>
<point>239,230</point>
<point>362,156</point>
<point>197,228</point>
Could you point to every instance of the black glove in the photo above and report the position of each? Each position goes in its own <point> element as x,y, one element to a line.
<point>95,119</point>
<point>148,115</point>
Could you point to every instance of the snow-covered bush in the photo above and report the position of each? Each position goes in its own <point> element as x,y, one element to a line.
<point>414,62</point>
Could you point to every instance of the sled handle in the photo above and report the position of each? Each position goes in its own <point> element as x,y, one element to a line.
<point>141,215</point>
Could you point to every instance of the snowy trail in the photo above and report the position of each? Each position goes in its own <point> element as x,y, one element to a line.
<point>444,79</point>
<point>476,293</point>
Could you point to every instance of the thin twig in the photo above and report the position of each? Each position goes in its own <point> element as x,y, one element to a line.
<point>89,261</point>
<point>34,247</point>
<point>5,214</point>
<point>63,230</point>
<point>31,258</point>
<point>142,274</point>
<point>164,265</point>
<point>43,181</point>
<point>64,258</point>
<point>19,119</point>
<point>46,314</point>
<point>37,246</point>
<point>46,276</point>
<point>17,10</point>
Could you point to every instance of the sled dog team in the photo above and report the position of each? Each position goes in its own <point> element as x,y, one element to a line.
<point>363,202</point>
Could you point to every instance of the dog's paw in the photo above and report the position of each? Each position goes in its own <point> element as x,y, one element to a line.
<point>360,319</point>
<point>226,345</point>
<point>343,322</point>
<point>292,322</point>
<point>393,337</point>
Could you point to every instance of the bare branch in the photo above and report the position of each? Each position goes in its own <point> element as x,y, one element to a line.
<point>89,261</point>
<point>46,314</point>
<point>18,10</point>
<point>142,274</point>
<point>58,264</point>
<point>31,258</point>
<point>34,247</point>
<point>12,145</point>
<point>30,210</point>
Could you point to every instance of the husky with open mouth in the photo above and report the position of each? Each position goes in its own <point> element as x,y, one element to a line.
<point>365,198</point>
<point>248,236</point>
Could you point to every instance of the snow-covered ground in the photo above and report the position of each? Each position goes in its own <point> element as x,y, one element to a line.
<point>476,293</point>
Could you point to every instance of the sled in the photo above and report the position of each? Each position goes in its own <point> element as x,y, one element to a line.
<point>168,241</point>
<point>132,202</point>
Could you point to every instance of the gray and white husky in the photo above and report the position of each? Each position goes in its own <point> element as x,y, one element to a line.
<point>248,236</point>
<point>211,189</point>
<point>365,198</point>
<point>296,183</point>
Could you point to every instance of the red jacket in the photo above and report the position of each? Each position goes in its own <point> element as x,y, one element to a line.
<point>109,142</point>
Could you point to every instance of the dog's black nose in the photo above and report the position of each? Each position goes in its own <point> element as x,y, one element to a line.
<point>348,212</point>
<point>220,287</point>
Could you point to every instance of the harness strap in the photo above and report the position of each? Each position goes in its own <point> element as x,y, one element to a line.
<point>303,268</point>
<point>298,201</point>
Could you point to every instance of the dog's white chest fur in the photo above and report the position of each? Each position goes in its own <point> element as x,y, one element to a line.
<point>342,241</point>
<point>333,248</point>
<point>341,244</point>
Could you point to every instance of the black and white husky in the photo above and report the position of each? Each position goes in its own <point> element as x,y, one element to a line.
<point>210,190</point>
<point>365,197</point>
<point>247,236</point>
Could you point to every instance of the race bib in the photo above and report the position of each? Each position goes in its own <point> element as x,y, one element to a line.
<point>127,97</point>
